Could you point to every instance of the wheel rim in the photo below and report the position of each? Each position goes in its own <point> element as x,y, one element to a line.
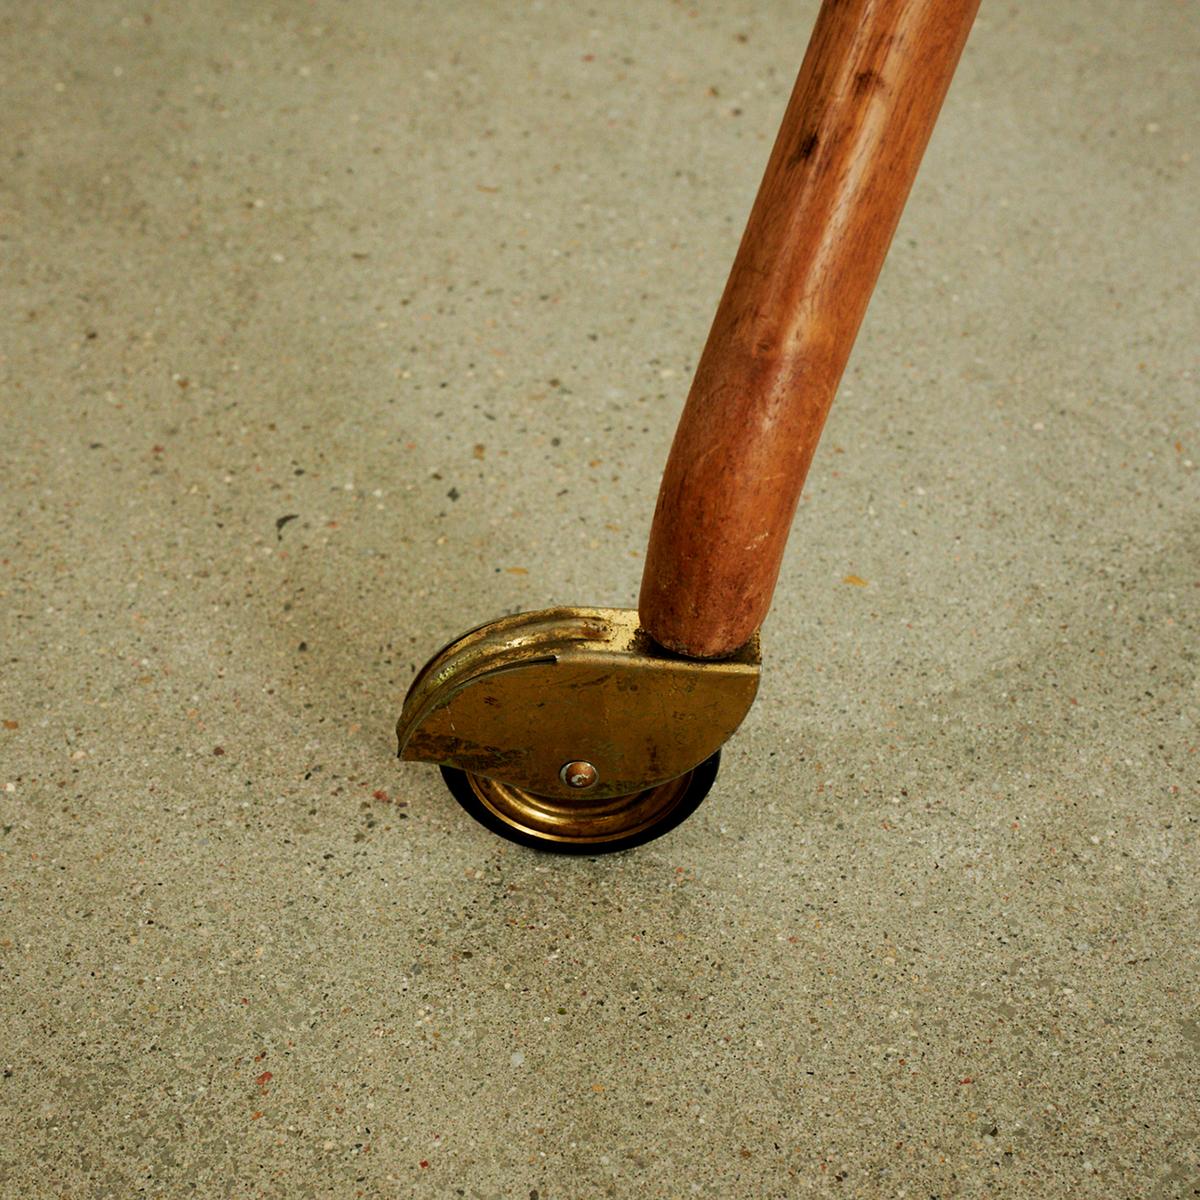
<point>575,822</point>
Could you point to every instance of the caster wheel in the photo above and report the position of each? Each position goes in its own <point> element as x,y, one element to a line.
<point>576,826</point>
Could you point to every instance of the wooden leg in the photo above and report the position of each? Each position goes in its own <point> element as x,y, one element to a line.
<point>852,137</point>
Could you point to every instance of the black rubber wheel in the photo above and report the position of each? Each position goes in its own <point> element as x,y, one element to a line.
<point>602,827</point>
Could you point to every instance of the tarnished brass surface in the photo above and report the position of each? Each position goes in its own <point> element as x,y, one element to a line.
<point>515,700</point>
<point>576,821</point>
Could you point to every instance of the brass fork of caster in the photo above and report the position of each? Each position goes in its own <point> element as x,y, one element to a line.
<point>586,729</point>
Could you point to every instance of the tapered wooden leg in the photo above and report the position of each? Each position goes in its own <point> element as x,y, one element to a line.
<point>852,137</point>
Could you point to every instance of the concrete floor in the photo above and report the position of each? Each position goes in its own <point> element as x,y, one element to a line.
<point>432,277</point>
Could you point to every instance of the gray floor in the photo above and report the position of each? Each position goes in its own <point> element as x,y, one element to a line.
<point>433,277</point>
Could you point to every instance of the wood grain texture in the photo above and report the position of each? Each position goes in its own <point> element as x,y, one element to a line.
<point>863,108</point>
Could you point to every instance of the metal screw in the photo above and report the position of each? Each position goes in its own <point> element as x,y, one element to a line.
<point>579,774</point>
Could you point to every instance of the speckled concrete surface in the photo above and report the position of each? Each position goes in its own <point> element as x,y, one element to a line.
<point>432,278</point>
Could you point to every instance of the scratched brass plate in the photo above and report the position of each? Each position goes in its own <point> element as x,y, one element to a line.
<point>514,700</point>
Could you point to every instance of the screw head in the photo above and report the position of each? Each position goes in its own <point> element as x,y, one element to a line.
<point>579,774</point>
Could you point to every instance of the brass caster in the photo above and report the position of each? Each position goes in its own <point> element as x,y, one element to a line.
<point>572,730</point>
<point>580,826</point>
